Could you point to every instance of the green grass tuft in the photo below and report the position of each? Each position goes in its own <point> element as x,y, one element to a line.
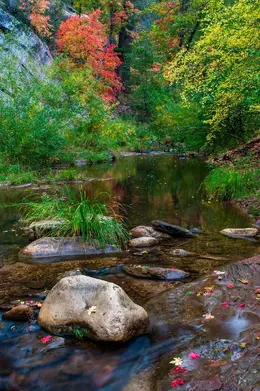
<point>97,223</point>
<point>230,183</point>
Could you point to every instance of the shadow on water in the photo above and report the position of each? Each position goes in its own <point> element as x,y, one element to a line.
<point>149,187</point>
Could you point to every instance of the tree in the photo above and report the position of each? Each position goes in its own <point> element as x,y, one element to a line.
<point>84,40</point>
<point>221,70</point>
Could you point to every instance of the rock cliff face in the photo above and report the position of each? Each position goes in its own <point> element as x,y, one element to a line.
<point>19,40</point>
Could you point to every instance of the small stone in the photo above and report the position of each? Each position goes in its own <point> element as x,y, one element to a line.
<point>179,252</point>
<point>240,232</point>
<point>143,242</point>
<point>158,273</point>
<point>21,312</point>
<point>142,231</point>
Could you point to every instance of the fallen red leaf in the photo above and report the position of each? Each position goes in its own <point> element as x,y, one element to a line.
<point>225,304</point>
<point>46,339</point>
<point>194,355</point>
<point>178,370</point>
<point>241,305</point>
<point>230,286</point>
<point>178,382</point>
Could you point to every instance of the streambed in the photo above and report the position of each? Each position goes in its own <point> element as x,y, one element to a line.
<point>162,187</point>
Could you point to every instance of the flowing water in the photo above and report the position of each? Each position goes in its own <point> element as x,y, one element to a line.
<point>162,187</point>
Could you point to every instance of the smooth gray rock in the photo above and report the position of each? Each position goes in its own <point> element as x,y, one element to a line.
<point>145,241</point>
<point>179,252</point>
<point>101,310</point>
<point>159,273</point>
<point>142,231</point>
<point>62,248</point>
<point>173,230</point>
<point>240,232</point>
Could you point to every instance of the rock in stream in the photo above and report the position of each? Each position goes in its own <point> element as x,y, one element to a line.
<point>173,230</point>
<point>62,248</point>
<point>101,310</point>
<point>159,273</point>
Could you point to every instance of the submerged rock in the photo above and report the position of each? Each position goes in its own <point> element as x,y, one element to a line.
<point>240,232</point>
<point>97,309</point>
<point>145,241</point>
<point>159,273</point>
<point>21,312</point>
<point>142,231</point>
<point>179,252</point>
<point>196,230</point>
<point>62,248</point>
<point>173,230</point>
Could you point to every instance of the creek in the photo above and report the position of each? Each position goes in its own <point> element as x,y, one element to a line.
<point>163,187</point>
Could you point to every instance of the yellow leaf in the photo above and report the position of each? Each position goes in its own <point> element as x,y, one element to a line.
<point>177,361</point>
<point>244,281</point>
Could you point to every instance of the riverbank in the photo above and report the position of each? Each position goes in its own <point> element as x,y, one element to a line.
<point>236,176</point>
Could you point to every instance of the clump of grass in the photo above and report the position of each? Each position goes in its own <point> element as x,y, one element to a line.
<point>21,178</point>
<point>68,174</point>
<point>229,183</point>
<point>95,222</point>
<point>16,174</point>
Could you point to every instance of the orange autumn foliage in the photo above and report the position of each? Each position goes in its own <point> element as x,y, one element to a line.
<point>84,40</point>
<point>36,10</point>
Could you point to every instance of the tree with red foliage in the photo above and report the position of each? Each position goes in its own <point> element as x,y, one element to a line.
<point>84,40</point>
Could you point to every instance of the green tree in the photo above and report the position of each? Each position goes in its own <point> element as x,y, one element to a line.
<point>221,70</point>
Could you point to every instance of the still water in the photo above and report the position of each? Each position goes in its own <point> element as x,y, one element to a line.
<point>161,187</point>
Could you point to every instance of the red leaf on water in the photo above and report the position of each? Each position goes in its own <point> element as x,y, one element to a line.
<point>178,370</point>
<point>46,339</point>
<point>178,382</point>
<point>194,355</point>
<point>225,304</point>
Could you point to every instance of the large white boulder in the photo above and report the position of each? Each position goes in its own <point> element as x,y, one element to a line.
<point>96,309</point>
